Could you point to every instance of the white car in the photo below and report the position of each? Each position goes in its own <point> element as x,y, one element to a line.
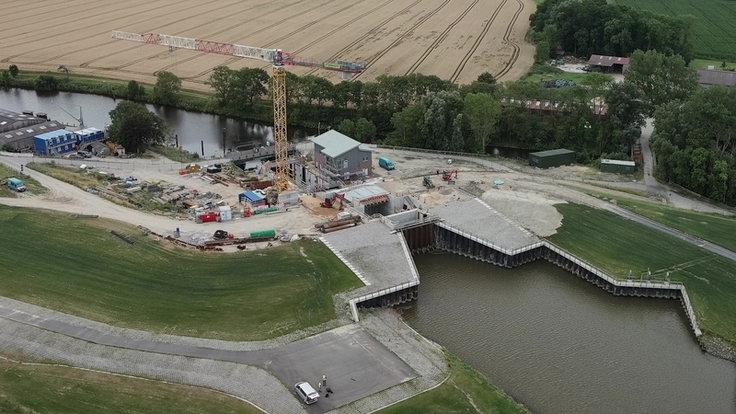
<point>306,392</point>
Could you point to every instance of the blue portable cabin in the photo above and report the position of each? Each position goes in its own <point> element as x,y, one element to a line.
<point>89,135</point>
<point>55,142</point>
<point>252,199</point>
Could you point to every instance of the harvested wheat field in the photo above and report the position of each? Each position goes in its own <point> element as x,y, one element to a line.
<point>453,39</point>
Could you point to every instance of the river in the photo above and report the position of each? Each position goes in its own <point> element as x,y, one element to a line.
<point>192,128</point>
<point>561,345</point>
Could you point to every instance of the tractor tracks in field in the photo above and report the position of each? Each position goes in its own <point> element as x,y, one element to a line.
<point>158,54</point>
<point>440,39</point>
<point>66,24</point>
<point>401,38</point>
<point>367,34</point>
<point>516,50</point>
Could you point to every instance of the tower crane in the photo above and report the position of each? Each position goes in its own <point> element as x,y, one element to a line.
<point>276,57</point>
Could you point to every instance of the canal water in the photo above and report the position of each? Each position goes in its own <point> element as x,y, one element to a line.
<point>192,128</point>
<point>561,345</point>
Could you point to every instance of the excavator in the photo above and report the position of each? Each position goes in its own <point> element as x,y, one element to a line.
<point>447,175</point>
<point>330,202</point>
<point>428,182</point>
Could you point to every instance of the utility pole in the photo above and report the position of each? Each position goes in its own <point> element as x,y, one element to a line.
<point>224,134</point>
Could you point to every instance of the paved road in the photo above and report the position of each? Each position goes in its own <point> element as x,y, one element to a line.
<point>357,365</point>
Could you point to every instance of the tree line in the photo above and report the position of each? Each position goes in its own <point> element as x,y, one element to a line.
<point>591,27</point>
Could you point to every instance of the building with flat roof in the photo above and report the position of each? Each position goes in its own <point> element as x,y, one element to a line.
<point>552,158</point>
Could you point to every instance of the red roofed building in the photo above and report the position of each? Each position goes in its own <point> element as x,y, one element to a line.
<point>598,108</point>
<point>609,63</point>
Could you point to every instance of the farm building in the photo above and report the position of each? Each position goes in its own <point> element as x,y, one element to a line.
<point>710,77</point>
<point>55,142</point>
<point>551,158</point>
<point>342,157</point>
<point>612,64</point>
<point>618,166</point>
<point>598,108</point>
<point>22,138</point>
<point>11,121</point>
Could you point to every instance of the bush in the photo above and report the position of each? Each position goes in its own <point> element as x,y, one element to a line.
<point>46,83</point>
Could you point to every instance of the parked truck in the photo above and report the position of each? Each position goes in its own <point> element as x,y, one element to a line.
<point>386,163</point>
<point>16,185</point>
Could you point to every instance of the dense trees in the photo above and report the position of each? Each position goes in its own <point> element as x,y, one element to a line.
<point>135,91</point>
<point>482,112</point>
<point>133,126</point>
<point>660,78</point>
<point>695,143</point>
<point>238,89</point>
<point>167,88</point>
<point>595,27</point>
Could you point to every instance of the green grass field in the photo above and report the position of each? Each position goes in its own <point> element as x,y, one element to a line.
<point>77,266</point>
<point>466,391</point>
<point>704,63</point>
<point>56,389</point>
<point>618,245</point>
<point>715,30</point>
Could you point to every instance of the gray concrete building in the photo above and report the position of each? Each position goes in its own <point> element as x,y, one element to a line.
<point>341,157</point>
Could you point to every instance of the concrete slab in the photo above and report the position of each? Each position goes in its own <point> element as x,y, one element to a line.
<point>477,218</point>
<point>356,365</point>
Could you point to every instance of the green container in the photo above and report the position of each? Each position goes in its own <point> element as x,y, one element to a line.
<point>262,233</point>
<point>551,158</point>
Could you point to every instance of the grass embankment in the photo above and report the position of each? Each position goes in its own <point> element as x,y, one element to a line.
<point>466,391</point>
<point>76,266</point>
<point>58,389</point>
<point>717,64</point>
<point>617,245</point>
<point>714,29</point>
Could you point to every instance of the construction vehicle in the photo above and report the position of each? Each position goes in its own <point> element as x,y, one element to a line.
<point>447,175</point>
<point>222,235</point>
<point>330,202</point>
<point>276,57</point>
<point>428,182</point>
<point>16,185</point>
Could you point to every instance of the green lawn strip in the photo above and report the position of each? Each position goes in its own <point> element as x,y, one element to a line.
<point>705,63</point>
<point>617,245</point>
<point>714,228</point>
<point>466,391</point>
<point>58,389</point>
<point>576,77</point>
<point>78,267</point>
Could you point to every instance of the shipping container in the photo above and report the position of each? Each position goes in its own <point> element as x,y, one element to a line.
<point>552,158</point>
<point>262,233</point>
<point>618,166</point>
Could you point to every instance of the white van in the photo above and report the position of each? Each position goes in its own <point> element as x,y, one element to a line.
<point>306,392</point>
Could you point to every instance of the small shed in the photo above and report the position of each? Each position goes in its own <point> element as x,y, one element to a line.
<point>551,158</point>
<point>252,199</point>
<point>226,214</point>
<point>618,166</point>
